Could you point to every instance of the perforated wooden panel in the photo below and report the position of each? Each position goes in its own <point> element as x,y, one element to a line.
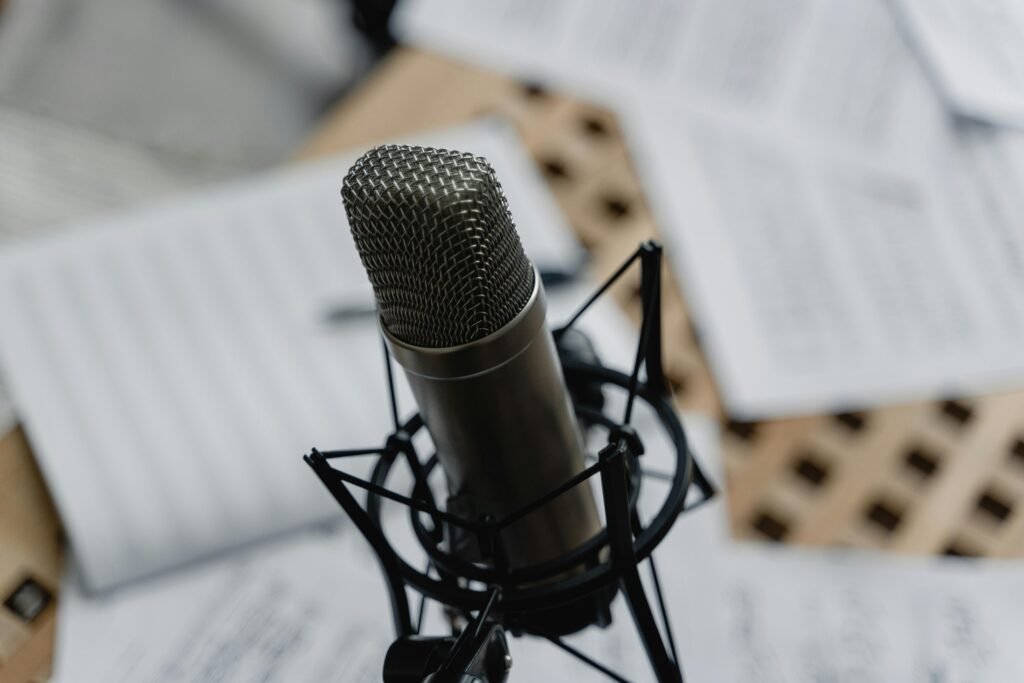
<point>943,477</point>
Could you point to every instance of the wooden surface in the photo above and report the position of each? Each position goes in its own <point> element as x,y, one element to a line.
<point>942,477</point>
<point>30,549</point>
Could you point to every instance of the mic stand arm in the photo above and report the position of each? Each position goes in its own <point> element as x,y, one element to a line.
<point>480,654</point>
<point>614,487</point>
<point>623,449</point>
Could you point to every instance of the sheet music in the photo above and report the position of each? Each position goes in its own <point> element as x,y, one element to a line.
<point>843,257</point>
<point>307,608</point>
<point>803,616</point>
<point>53,174</point>
<point>974,51</point>
<point>173,365</point>
<point>605,50</point>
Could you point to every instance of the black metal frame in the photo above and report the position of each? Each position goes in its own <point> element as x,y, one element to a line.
<point>606,563</point>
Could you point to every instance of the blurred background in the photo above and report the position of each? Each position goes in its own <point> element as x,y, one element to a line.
<point>179,94</point>
<point>838,185</point>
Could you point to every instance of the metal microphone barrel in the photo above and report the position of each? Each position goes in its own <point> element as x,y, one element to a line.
<point>499,413</point>
<point>463,312</point>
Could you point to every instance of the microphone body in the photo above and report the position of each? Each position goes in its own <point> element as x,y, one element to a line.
<point>463,312</point>
<point>500,416</point>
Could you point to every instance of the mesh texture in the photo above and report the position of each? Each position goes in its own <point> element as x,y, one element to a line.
<point>433,231</point>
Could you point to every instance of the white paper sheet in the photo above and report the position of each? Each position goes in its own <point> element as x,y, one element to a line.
<point>742,53</point>
<point>975,54</point>
<point>823,283</point>
<point>606,50</point>
<point>307,608</point>
<point>53,174</point>
<point>840,256</point>
<point>792,616</point>
<point>172,365</point>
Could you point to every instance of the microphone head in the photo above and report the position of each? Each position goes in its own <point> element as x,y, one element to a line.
<point>433,231</point>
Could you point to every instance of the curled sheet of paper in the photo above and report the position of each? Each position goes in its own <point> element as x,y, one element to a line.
<point>974,51</point>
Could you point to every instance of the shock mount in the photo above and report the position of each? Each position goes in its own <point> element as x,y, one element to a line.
<point>488,598</point>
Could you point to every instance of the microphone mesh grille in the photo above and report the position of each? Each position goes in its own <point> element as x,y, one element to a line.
<point>433,231</point>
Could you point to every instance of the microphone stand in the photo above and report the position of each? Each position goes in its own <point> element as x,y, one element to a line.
<point>521,599</point>
<point>479,654</point>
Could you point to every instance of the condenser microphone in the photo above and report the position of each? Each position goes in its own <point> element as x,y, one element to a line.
<point>463,312</point>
